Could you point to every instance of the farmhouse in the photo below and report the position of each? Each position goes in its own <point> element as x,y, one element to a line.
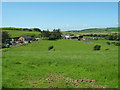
<point>22,40</point>
<point>67,37</point>
<point>26,38</point>
<point>77,37</point>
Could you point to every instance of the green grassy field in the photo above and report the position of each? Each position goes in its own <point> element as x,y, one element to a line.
<point>95,31</point>
<point>73,64</point>
<point>15,33</point>
<point>100,30</point>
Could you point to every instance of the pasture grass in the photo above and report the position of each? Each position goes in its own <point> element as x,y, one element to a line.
<point>33,66</point>
<point>15,33</point>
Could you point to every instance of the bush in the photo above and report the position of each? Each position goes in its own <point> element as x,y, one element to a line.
<point>71,34</point>
<point>117,44</point>
<point>108,43</point>
<point>53,35</point>
<point>5,36</point>
<point>113,43</point>
<point>97,47</point>
<point>96,38</point>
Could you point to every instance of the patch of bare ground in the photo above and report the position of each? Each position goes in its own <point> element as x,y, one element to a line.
<point>57,80</point>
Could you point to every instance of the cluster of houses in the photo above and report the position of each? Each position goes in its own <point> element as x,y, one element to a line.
<point>17,41</point>
<point>22,40</point>
<point>77,37</point>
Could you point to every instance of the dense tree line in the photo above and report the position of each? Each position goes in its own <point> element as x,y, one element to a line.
<point>55,34</point>
<point>114,36</point>
<point>113,43</point>
<point>21,29</point>
<point>5,36</point>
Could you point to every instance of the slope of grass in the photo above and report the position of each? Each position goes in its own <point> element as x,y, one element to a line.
<point>15,33</point>
<point>94,31</point>
<point>100,30</point>
<point>33,66</point>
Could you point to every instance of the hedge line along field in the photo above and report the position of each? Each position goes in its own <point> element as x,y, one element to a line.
<point>72,64</point>
<point>15,33</point>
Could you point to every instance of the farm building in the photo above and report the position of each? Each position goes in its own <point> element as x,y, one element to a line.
<point>17,41</point>
<point>67,37</point>
<point>26,38</point>
<point>77,37</point>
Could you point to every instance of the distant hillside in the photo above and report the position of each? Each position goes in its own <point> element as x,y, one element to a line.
<point>15,33</point>
<point>96,30</point>
<point>99,30</point>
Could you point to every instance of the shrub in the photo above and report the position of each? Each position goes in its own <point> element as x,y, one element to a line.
<point>50,47</point>
<point>97,47</point>
<point>71,34</point>
<point>108,43</point>
<point>96,38</point>
<point>112,42</point>
<point>117,44</point>
<point>5,36</point>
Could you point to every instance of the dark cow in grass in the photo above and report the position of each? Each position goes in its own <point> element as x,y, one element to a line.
<point>50,47</point>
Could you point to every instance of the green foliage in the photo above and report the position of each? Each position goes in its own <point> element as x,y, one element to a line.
<point>113,37</point>
<point>21,29</point>
<point>5,36</point>
<point>114,43</point>
<point>97,47</point>
<point>71,34</point>
<point>117,44</point>
<point>45,33</point>
<point>108,43</point>
<point>36,29</point>
<point>55,34</point>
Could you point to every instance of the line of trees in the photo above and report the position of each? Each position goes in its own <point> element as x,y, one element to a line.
<point>53,35</point>
<point>21,29</point>
<point>113,43</point>
<point>114,36</point>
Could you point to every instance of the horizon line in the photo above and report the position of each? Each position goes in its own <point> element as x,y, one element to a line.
<point>64,30</point>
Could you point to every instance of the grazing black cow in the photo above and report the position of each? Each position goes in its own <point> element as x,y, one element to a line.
<point>49,48</point>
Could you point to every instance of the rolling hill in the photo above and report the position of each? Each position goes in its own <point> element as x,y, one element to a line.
<point>96,30</point>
